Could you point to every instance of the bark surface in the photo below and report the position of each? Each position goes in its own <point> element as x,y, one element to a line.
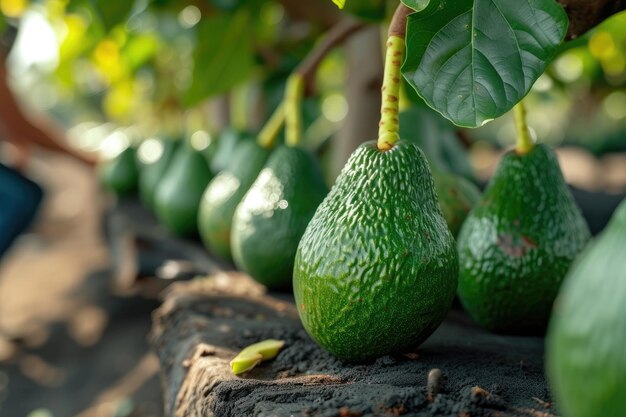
<point>204,323</point>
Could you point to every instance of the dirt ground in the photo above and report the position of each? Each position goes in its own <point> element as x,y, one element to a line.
<point>68,346</point>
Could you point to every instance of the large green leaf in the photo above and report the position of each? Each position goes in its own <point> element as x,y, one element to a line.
<point>473,60</point>
<point>223,56</point>
<point>227,5</point>
<point>3,24</point>
<point>416,4</point>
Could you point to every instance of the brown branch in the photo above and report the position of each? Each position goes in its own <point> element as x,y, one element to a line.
<point>585,14</point>
<point>397,27</point>
<point>336,36</point>
<point>322,12</point>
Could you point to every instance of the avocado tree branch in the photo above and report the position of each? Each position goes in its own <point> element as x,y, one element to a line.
<point>320,12</point>
<point>397,27</point>
<point>269,132</point>
<point>335,36</point>
<point>292,102</point>
<point>585,14</point>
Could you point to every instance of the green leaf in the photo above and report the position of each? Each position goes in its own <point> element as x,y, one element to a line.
<point>3,24</point>
<point>473,60</point>
<point>139,49</point>
<point>226,5</point>
<point>112,13</point>
<point>373,10</point>
<point>416,5</point>
<point>340,3</point>
<point>223,56</point>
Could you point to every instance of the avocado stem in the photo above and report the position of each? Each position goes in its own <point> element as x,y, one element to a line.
<point>389,127</point>
<point>524,141</point>
<point>294,93</point>
<point>388,132</point>
<point>269,133</point>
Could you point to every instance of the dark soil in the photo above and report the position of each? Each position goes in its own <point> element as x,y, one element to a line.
<point>461,371</point>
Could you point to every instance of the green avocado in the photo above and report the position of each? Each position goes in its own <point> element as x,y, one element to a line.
<point>271,218</point>
<point>224,193</point>
<point>376,269</point>
<point>517,244</point>
<point>586,345</point>
<point>229,140</point>
<point>121,174</point>
<point>457,196</point>
<point>152,172</point>
<point>178,194</point>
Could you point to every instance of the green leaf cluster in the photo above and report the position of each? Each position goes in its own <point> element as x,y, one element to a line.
<point>473,60</point>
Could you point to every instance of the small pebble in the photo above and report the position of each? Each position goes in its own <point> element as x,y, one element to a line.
<point>435,383</point>
<point>479,393</point>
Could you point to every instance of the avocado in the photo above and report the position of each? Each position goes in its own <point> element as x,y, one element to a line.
<point>152,172</point>
<point>178,194</point>
<point>271,218</point>
<point>227,144</point>
<point>517,244</point>
<point>586,344</point>
<point>121,174</point>
<point>457,196</point>
<point>376,269</point>
<point>224,193</point>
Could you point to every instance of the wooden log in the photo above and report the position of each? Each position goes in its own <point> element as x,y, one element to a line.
<point>460,371</point>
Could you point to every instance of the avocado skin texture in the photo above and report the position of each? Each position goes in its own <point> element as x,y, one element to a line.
<point>376,269</point>
<point>271,218</point>
<point>121,174</point>
<point>457,197</point>
<point>224,193</point>
<point>150,175</point>
<point>586,345</point>
<point>179,192</point>
<point>517,244</point>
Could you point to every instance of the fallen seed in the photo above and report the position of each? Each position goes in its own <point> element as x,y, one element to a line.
<point>252,355</point>
<point>268,348</point>
<point>245,361</point>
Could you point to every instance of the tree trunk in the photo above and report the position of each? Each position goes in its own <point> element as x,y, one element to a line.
<point>202,324</point>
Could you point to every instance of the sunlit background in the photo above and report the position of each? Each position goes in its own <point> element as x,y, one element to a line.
<point>113,85</point>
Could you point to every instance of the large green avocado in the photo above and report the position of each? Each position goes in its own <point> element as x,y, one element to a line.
<point>152,172</point>
<point>224,193</point>
<point>376,270</point>
<point>517,244</point>
<point>586,345</point>
<point>229,140</point>
<point>457,197</point>
<point>121,174</point>
<point>271,218</point>
<point>179,192</point>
